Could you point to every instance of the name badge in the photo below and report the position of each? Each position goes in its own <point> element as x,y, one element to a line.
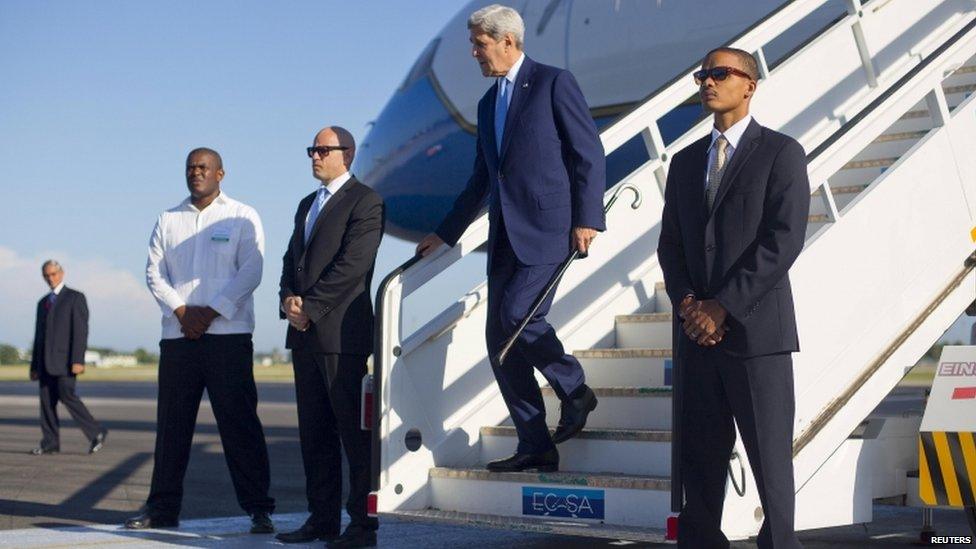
<point>220,237</point>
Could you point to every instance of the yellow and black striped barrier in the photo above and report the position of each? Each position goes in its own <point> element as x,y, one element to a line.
<point>947,468</point>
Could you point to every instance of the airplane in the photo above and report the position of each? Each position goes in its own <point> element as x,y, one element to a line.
<point>419,151</point>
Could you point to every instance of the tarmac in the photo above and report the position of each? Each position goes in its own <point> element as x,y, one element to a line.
<point>73,499</point>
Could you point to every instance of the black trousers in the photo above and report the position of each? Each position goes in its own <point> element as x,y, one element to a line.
<point>328,391</point>
<point>223,365</point>
<point>54,389</point>
<point>757,393</point>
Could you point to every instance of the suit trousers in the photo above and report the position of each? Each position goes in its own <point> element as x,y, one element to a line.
<point>757,393</point>
<point>328,391</point>
<point>512,289</point>
<point>62,388</point>
<point>223,365</point>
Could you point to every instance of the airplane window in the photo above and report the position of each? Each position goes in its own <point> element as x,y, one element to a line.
<point>422,65</point>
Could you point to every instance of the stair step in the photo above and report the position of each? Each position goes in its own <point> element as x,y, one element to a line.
<point>872,163</point>
<point>540,525</point>
<point>612,498</point>
<point>621,392</point>
<point>662,303</point>
<point>626,367</point>
<point>627,435</point>
<point>569,478</point>
<point>620,407</point>
<point>901,136</point>
<point>622,451</point>
<point>860,172</point>
<point>652,330</point>
<point>842,197</point>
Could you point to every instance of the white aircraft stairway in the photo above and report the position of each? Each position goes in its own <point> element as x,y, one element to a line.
<point>880,100</point>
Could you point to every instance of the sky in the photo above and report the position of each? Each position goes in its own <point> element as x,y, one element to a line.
<point>101,101</point>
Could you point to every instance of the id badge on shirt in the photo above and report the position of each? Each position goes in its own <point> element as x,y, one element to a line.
<point>220,234</point>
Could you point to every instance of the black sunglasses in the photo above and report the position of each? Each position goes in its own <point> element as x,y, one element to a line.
<point>324,151</point>
<point>718,74</point>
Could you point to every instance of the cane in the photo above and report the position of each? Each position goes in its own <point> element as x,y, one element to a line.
<point>560,272</point>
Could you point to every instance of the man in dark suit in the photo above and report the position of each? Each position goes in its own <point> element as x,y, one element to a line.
<point>734,221</point>
<point>540,166</point>
<point>324,294</point>
<point>60,341</point>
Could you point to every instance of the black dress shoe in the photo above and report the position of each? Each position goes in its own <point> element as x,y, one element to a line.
<point>39,451</point>
<point>261,523</point>
<point>573,414</point>
<point>309,532</point>
<point>98,441</point>
<point>354,536</point>
<point>145,521</point>
<point>547,462</point>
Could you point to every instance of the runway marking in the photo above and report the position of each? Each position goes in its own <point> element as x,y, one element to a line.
<point>24,400</point>
<point>192,532</point>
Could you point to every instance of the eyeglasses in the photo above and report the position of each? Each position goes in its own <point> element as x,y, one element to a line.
<point>718,74</point>
<point>324,150</point>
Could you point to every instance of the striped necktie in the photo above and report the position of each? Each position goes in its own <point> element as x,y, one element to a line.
<point>716,171</point>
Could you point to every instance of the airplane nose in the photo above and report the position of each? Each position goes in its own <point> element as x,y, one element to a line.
<point>418,157</point>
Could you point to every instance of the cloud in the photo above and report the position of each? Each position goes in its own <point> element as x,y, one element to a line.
<point>122,313</point>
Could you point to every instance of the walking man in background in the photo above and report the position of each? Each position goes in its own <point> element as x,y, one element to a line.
<point>205,260</point>
<point>324,293</point>
<point>734,221</point>
<point>60,342</point>
<point>540,167</point>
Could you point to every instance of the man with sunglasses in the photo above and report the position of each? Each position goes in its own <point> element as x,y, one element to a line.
<point>324,293</point>
<point>734,221</point>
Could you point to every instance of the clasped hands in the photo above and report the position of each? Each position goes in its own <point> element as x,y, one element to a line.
<point>195,320</point>
<point>704,321</point>
<point>292,307</point>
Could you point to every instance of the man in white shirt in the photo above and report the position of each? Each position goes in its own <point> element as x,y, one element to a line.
<point>205,261</point>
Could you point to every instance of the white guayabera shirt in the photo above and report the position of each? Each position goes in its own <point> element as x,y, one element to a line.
<point>211,257</point>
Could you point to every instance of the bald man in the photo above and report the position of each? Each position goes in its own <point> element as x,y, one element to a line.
<point>325,298</point>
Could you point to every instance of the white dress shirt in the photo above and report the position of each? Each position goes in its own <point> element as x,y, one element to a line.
<point>733,135</point>
<point>211,257</point>
<point>510,76</point>
<point>323,194</point>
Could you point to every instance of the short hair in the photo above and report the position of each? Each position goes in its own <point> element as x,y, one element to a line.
<point>746,59</point>
<point>51,263</point>
<point>498,20</point>
<point>211,152</point>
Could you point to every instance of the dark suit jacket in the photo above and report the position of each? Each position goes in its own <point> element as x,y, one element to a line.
<point>550,176</point>
<point>61,334</point>
<point>332,274</point>
<point>740,252</point>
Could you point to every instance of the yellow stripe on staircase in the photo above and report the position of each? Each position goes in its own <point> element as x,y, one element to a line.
<point>925,489</point>
<point>948,471</point>
<point>969,451</point>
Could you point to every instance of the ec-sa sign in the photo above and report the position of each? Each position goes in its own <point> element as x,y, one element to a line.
<point>563,502</point>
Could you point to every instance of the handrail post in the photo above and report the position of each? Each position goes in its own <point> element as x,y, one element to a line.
<point>935,100</point>
<point>870,71</point>
<point>654,142</point>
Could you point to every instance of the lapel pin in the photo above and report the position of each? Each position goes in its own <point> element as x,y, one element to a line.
<point>525,85</point>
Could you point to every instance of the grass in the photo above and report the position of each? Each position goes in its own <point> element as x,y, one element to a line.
<point>919,376</point>
<point>277,373</point>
